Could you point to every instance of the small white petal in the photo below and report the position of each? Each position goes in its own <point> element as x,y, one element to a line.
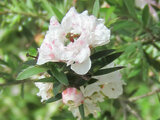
<point>82,68</point>
<point>90,89</point>
<point>102,35</point>
<point>45,90</point>
<point>113,89</point>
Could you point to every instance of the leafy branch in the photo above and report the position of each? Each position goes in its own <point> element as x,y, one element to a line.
<point>25,14</point>
<point>133,99</point>
<point>16,82</point>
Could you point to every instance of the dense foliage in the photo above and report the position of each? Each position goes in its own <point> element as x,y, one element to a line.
<point>133,30</point>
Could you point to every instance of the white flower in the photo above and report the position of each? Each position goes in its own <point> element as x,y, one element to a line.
<point>45,90</point>
<point>111,84</point>
<point>91,95</point>
<point>71,40</point>
<point>75,112</point>
<point>72,97</point>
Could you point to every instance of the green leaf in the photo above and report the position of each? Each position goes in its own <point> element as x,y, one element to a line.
<point>30,62</point>
<point>81,110</point>
<point>158,97</point>
<point>60,76</point>
<point>107,70</point>
<point>133,73</point>
<point>100,54</point>
<point>107,12</point>
<point>46,6</point>
<point>55,98</point>
<point>92,80</point>
<point>96,8</point>
<point>30,71</point>
<point>104,61</point>
<point>57,87</point>
<point>145,16</point>
<point>57,13</point>
<point>154,63</point>
<point>52,10</point>
<point>3,62</point>
<point>130,6</point>
<point>32,51</point>
<point>75,80</point>
<point>49,79</point>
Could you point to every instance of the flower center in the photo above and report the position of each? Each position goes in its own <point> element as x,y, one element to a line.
<point>71,37</point>
<point>70,102</point>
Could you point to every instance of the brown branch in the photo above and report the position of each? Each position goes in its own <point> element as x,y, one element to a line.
<point>123,105</point>
<point>132,111</point>
<point>145,95</point>
<point>16,82</point>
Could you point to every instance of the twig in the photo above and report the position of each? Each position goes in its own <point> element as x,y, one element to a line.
<point>23,13</point>
<point>16,82</point>
<point>124,108</point>
<point>145,95</point>
<point>131,110</point>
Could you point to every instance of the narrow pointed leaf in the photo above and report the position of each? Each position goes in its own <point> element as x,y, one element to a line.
<point>102,53</point>
<point>49,79</point>
<point>58,14</point>
<point>158,97</point>
<point>152,62</point>
<point>104,61</point>
<point>96,8</point>
<point>81,110</point>
<point>130,6</point>
<point>30,71</point>
<point>107,70</point>
<point>60,76</point>
<point>3,62</point>
<point>145,16</point>
<point>46,5</point>
<point>55,98</point>
<point>30,62</point>
<point>92,80</point>
<point>57,87</point>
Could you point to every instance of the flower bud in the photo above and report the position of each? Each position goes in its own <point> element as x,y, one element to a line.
<point>72,97</point>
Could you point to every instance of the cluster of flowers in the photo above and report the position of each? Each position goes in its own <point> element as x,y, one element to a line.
<point>71,42</point>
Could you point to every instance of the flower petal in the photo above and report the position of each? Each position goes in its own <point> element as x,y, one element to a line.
<point>102,35</point>
<point>113,89</point>
<point>82,68</point>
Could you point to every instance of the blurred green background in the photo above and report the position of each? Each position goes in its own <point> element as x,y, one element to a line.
<point>135,29</point>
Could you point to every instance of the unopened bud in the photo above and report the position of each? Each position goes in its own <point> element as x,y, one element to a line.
<point>72,97</point>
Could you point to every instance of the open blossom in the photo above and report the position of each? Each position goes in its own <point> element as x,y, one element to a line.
<point>45,90</point>
<point>72,97</point>
<point>111,84</point>
<point>71,40</point>
<point>92,96</point>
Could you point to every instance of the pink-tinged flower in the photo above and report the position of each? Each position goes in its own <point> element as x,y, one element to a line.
<point>45,90</point>
<point>71,40</point>
<point>72,97</point>
<point>92,95</point>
